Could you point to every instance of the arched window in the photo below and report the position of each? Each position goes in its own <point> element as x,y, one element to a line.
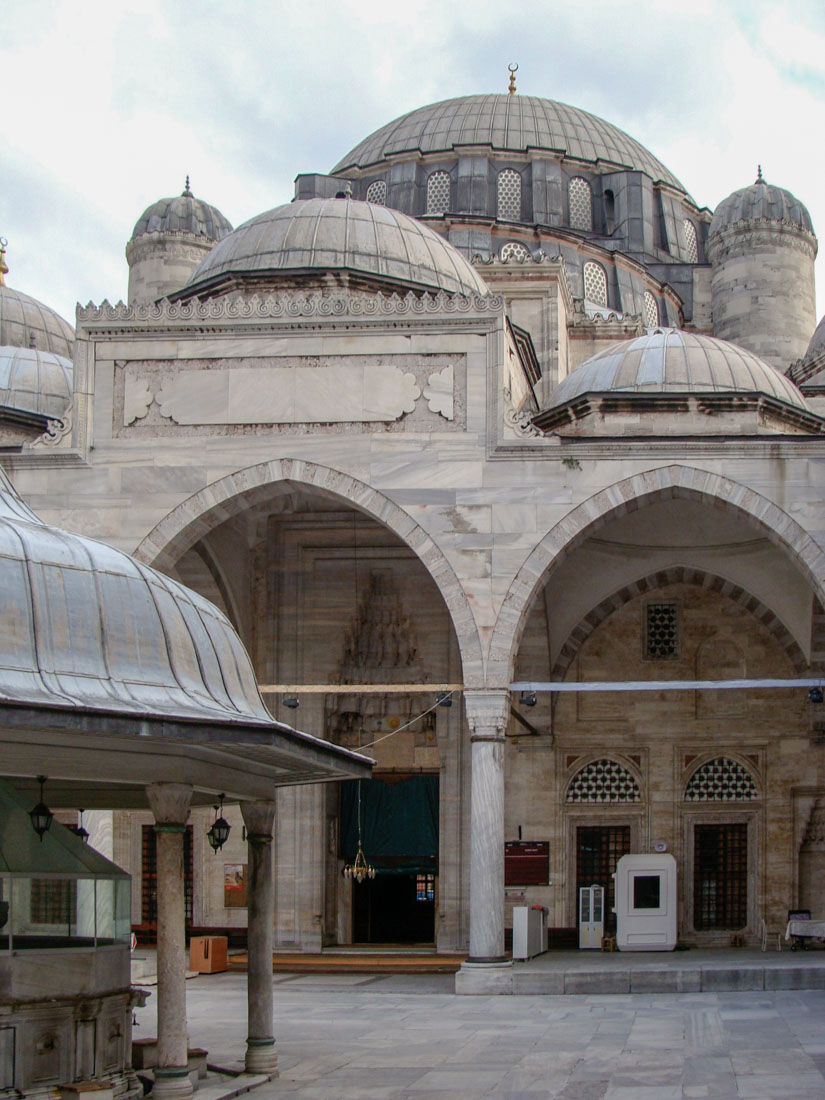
<point>651,311</point>
<point>581,204</point>
<point>604,781</point>
<point>609,211</point>
<point>595,284</point>
<point>691,247</point>
<point>514,250</point>
<point>438,192</point>
<point>508,185</point>
<point>377,192</point>
<point>721,780</point>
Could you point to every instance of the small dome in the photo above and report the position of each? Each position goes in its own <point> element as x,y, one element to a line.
<point>817,343</point>
<point>311,236</point>
<point>35,381</point>
<point>673,361</point>
<point>183,214</point>
<point>27,323</point>
<point>759,201</point>
<point>91,627</point>
<point>510,123</point>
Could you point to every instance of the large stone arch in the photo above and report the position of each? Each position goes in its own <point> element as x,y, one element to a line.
<point>196,516</point>
<point>665,482</point>
<point>677,574</point>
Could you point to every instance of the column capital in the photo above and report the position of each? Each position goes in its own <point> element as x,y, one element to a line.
<point>259,818</point>
<point>488,711</point>
<point>170,802</point>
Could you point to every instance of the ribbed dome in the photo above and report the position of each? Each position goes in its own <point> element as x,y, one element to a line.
<point>818,339</point>
<point>27,323</point>
<point>673,361</point>
<point>760,200</point>
<point>318,235</point>
<point>35,381</point>
<point>86,625</point>
<point>513,123</point>
<point>183,214</point>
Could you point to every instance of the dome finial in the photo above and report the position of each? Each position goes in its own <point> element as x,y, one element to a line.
<point>4,269</point>
<point>186,193</point>
<point>759,176</point>
<point>513,69</point>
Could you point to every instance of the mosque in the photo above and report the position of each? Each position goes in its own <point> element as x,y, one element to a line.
<point>486,425</point>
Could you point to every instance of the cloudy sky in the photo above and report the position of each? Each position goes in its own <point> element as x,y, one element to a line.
<point>107,106</point>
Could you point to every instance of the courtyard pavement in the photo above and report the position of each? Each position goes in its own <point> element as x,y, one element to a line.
<point>343,1036</point>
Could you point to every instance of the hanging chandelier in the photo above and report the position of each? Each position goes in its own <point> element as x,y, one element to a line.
<point>359,869</point>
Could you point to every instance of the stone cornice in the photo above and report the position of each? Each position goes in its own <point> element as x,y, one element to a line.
<point>289,306</point>
<point>791,234</point>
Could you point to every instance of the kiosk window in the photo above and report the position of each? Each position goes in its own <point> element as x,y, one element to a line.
<point>647,891</point>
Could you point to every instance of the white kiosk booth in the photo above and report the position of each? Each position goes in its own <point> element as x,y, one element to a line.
<point>646,903</point>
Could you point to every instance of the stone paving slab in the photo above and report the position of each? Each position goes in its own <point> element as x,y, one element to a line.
<point>394,1038</point>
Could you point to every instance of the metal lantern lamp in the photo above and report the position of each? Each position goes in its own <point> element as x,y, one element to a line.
<point>41,816</point>
<point>218,834</point>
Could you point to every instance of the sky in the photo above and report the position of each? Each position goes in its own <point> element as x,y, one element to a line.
<point>108,106</point>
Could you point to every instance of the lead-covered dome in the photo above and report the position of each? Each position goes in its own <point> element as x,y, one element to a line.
<point>315,236</point>
<point>674,361</point>
<point>817,343</point>
<point>34,381</point>
<point>758,202</point>
<point>514,123</point>
<point>183,214</point>
<point>27,323</point>
<point>90,627</point>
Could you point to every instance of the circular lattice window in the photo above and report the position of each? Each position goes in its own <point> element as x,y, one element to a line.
<point>603,781</point>
<point>721,780</point>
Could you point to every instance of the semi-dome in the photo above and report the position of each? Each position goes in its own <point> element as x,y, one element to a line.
<point>27,323</point>
<point>512,123</point>
<point>35,381</point>
<point>315,236</point>
<point>760,201</point>
<point>673,361</point>
<point>183,214</point>
<point>817,343</point>
<point>88,626</point>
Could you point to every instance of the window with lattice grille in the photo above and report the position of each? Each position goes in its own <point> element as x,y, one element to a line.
<point>509,195</point>
<point>53,901</point>
<point>721,780</point>
<point>581,205</point>
<point>377,192</point>
<point>438,193</point>
<point>720,876</point>
<point>514,251</point>
<point>661,631</point>
<point>603,781</point>
<point>651,310</point>
<point>595,284</point>
<point>691,245</point>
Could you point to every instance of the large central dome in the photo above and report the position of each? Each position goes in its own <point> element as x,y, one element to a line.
<point>514,123</point>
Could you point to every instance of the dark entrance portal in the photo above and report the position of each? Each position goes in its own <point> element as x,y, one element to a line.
<point>598,850</point>
<point>399,834</point>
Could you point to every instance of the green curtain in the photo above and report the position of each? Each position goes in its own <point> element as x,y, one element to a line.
<point>399,824</point>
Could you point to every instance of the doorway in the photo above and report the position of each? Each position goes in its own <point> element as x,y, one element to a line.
<point>399,835</point>
<point>598,850</point>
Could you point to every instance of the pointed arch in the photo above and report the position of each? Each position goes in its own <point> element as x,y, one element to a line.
<point>677,574</point>
<point>203,511</point>
<point>665,482</point>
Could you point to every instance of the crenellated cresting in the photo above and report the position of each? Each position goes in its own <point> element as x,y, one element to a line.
<point>290,304</point>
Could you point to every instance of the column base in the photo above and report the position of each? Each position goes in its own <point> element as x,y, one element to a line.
<point>172,1083</point>
<point>261,1056</point>
<point>484,976</point>
<point>487,960</point>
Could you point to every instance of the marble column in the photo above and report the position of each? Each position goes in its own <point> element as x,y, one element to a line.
<point>261,1052</point>
<point>487,714</point>
<point>170,804</point>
